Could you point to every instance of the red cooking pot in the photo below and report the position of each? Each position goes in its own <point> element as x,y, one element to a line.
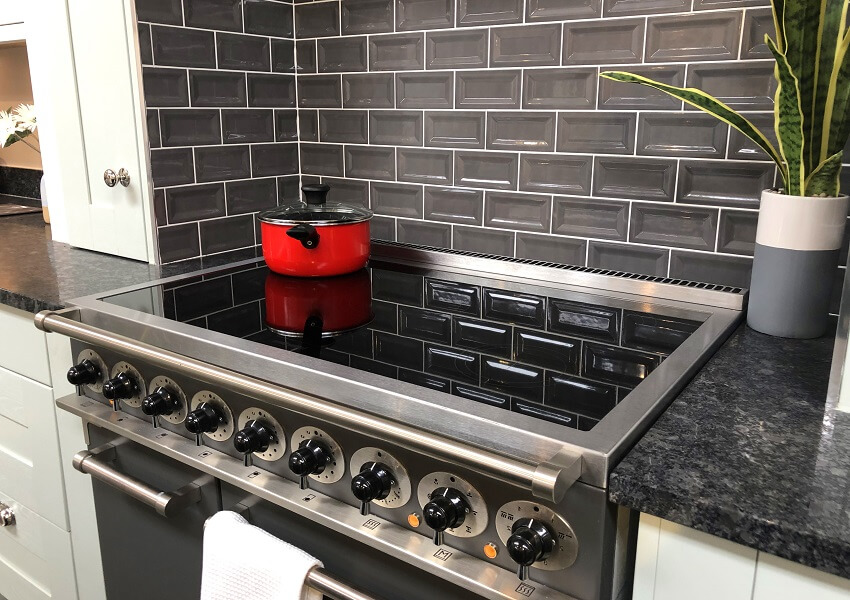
<point>318,307</point>
<point>314,238</point>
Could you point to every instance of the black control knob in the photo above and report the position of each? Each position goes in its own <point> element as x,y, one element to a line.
<point>447,509</point>
<point>374,482</point>
<point>120,387</point>
<point>204,419</point>
<point>160,402</point>
<point>531,540</point>
<point>311,458</point>
<point>256,436</point>
<point>84,373</point>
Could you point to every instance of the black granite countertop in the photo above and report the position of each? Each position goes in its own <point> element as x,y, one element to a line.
<point>750,452</point>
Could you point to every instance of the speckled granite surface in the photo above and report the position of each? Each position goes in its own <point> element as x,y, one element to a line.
<point>749,452</point>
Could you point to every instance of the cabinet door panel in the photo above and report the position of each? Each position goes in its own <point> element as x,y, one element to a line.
<point>780,579</point>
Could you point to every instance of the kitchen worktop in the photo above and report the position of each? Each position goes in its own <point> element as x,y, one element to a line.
<point>749,452</point>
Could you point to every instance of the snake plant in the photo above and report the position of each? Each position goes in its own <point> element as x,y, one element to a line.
<point>812,103</point>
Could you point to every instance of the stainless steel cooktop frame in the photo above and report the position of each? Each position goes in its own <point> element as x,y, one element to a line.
<point>486,427</point>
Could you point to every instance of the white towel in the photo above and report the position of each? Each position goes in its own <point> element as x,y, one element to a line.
<point>243,561</point>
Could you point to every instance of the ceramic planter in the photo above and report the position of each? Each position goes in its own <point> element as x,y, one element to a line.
<point>797,245</point>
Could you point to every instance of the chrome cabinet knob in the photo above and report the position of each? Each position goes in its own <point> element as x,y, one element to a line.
<point>7,516</point>
<point>110,177</point>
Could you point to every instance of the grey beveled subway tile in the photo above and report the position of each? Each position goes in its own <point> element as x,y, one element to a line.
<point>425,90</point>
<point>454,129</point>
<point>551,248</point>
<point>669,225</point>
<point>623,8</point>
<point>268,18</point>
<point>271,91</point>
<point>555,173</point>
<point>487,241</point>
<point>382,228</point>
<point>737,231</point>
<point>724,183</point>
<point>402,52</point>
<point>368,90</point>
<point>192,127</point>
<point>491,170</point>
<point>336,55</point>
<point>718,4</point>
<point>590,217</point>
<point>488,89</point>
<point>438,235</point>
<point>425,166</point>
<point>742,86</point>
<point>602,132</point>
<point>285,125</point>
<point>251,195</point>
<point>274,159</point>
<point>194,202</point>
<point>455,205</point>
<point>397,199</point>
<point>711,268</point>
<point>518,212</point>
<point>634,178</point>
<point>367,16</point>
<point>308,125</point>
<point>561,10</point>
<point>629,258</point>
<point>460,49</point>
<point>618,95</point>
<point>525,46</point>
<point>306,56</point>
<point>180,47</point>
<point>603,42</point>
<point>229,233</point>
<point>166,87</point>
<point>488,12</point>
<point>217,163</point>
<point>288,189</point>
<point>348,191</point>
<point>710,36</point>
<point>560,88</point>
<point>743,148</point>
<point>152,123</point>
<point>178,242</point>
<point>343,126</point>
<point>395,127</point>
<point>145,44</point>
<point>321,159</point>
<point>677,134</point>
<point>169,12</point>
<point>243,52</point>
<point>172,166</point>
<point>413,15</point>
<point>317,19</point>
<point>521,131</point>
<point>369,162</point>
<point>757,23</point>
<point>222,15</point>
<point>319,91</point>
<point>283,56</point>
<point>241,126</point>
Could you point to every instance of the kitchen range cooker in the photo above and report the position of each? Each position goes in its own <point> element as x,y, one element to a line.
<point>438,424</point>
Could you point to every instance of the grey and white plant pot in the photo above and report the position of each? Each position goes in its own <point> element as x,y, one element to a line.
<point>798,240</point>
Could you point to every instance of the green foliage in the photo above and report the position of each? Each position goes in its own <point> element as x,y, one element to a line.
<point>812,104</point>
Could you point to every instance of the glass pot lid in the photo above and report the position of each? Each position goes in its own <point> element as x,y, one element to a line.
<point>315,210</point>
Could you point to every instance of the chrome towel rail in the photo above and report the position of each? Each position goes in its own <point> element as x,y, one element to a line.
<point>548,480</point>
<point>322,581</point>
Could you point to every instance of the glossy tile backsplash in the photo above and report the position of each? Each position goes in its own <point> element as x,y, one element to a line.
<point>473,124</point>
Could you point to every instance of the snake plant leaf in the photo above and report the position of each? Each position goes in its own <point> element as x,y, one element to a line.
<point>836,117</point>
<point>706,103</point>
<point>825,179</point>
<point>832,14</point>
<point>779,22</point>
<point>789,122</point>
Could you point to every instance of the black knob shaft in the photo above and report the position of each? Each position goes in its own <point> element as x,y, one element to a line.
<point>531,540</point>
<point>374,482</point>
<point>447,509</point>
<point>311,458</point>
<point>120,387</point>
<point>84,373</point>
<point>256,436</point>
<point>159,402</point>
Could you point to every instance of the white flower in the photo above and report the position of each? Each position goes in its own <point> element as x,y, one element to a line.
<point>8,129</point>
<point>25,115</point>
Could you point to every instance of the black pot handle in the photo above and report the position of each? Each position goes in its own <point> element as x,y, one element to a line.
<point>306,234</point>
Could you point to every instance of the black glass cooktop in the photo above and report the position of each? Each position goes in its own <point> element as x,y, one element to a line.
<point>549,356</point>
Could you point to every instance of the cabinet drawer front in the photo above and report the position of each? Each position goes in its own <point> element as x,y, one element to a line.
<point>35,558</point>
<point>24,348</point>
<point>30,470</point>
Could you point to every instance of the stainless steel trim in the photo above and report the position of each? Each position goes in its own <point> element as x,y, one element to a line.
<point>95,463</point>
<point>332,587</point>
<point>548,481</point>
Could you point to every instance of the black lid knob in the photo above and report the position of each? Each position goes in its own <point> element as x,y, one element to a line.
<point>84,373</point>
<point>374,482</point>
<point>120,387</point>
<point>256,436</point>
<point>531,541</point>
<point>159,402</point>
<point>204,419</point>
<point>311,458</point>
<point>447,509</point>
<point>315,193</point>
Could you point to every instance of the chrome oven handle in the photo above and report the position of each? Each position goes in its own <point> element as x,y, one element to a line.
<point>548,480</point>
<point>95,462</point>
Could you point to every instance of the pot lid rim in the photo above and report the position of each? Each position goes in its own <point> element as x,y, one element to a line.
<point>349,215</point>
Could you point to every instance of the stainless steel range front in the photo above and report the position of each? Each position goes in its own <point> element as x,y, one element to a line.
<point>441,424</point>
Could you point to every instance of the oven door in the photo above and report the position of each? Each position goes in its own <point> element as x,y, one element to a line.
<point>150,515</point>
